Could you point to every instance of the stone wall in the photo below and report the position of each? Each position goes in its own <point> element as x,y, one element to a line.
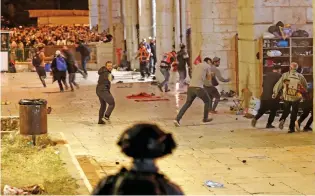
<point>214,26</point>
<point>63,20</point>
<point>298,13</point>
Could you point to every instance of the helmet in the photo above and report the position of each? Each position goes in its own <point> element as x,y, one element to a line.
<point>146,141</point>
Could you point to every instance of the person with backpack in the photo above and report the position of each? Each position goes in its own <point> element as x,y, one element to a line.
<point>307,107</point>
<point>182,58</point>
<point>210,85</point>
<point>85,54</point>
<point>71,67</point>
<point>144,143</point>
<point>38,62</point>
<point>291,84</point>
<point>59,70</point>
<point>165,66</point>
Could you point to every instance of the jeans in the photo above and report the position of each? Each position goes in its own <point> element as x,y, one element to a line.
<point>144,68</point>
<point>307,109</point>
<point>213,94</point>
<point>192,93</point>
<point>294,112</point>
<point>166,73</point>
<point>84,60</point>
<point>152,65</point>
<point>265,105</point>
<point>105,98</point>
<point>182,76</point>
<point>72,81</point>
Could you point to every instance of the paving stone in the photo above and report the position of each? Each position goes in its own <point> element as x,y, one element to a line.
<point>205,152</point>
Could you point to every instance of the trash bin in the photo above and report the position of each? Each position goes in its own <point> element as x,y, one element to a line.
<point>33,116</point>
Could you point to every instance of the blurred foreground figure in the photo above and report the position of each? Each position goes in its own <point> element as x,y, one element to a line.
<point>144,143</point>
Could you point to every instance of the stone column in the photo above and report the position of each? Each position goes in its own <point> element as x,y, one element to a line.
<point>145,19</point>
<point>93,13</point>
<point>153,7</point>
<point>183,21</point>
<point>313,57</point>
<point>177,21</point>
<point>130,21</point>
<point>104,15</point>
<point>213,28</point>
<point>117,27</point>
<point>164,30</point>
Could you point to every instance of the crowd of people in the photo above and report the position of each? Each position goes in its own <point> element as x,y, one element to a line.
<point>24,39</point>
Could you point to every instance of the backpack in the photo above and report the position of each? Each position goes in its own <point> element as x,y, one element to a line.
<point>292,85</point>
<point>61,64</point>
<point>36,60</point>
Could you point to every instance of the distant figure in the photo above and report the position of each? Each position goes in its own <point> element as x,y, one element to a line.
<point>59,70</point>
<point>39,64</point>
<point>85,54</point>
<point>144,143</point>
<point>71,67</point>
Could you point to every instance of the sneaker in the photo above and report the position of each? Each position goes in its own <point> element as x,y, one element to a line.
<point>297,126</point>
<point>254,121</point>
<point>106,118</point>
<point>101,122</point>
<point>270,126</point>
<point>85,75</point>
<point>306,129</point>
<point>160,87</point>
<point>176,123</point>
<point>207,120</point>
<point>291,131</point>
<point>281,124</point>
<point>168,90</point>
<point>62,91</point>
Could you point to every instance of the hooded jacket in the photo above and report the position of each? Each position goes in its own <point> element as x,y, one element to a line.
<point>104,79</point>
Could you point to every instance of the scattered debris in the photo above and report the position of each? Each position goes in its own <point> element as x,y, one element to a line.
<point>244,161</point>
<point>232,131</point>
<point>57,152</point>
<point>200,136</point>
<point>236,118</point>
<point>213,184</point>
<point>120,82</point>
<point>229,168</point>
<point>5,103</point>
<point>271,184</point>
<point>117,163</point>
<point>49,109</point>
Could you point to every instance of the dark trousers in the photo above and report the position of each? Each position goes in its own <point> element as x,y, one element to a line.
<point>294,112</point>
<point>144,68</point>
<point>265,105</point>
<point>166,73</point>
<point>192,93</point>
<point>152,65</point>
<point>182,76</point>
<point>307,109</point>
<point>105,98</point>
<point>41,74</point>
<point>72,81</point>
<point>84,60</point>
<point>60,81</point>
<point>213,94</point>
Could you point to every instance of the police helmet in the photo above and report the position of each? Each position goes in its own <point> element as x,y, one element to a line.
<point>146,141</point>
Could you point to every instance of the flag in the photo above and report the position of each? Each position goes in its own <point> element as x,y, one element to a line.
<point>197,60</point>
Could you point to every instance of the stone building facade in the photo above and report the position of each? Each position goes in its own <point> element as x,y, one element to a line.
<point>214,25</point>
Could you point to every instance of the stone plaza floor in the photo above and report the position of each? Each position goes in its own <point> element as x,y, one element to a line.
<point>227,150</point>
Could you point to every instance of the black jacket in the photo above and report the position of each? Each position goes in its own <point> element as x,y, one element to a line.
<point>84,50</point>
<point>270,80</point>
<point>70,61</point>
<point>182,58</point>
<point>104,79</point>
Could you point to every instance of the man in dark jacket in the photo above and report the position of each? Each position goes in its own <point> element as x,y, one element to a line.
<point>266,100</point>
<point>59,75</point>
<point>307,106</point>
<point>182,58</point>
<point>153,56</point>
<point>103,92</point>
<point>85,54</point>
<point>71,67</point>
